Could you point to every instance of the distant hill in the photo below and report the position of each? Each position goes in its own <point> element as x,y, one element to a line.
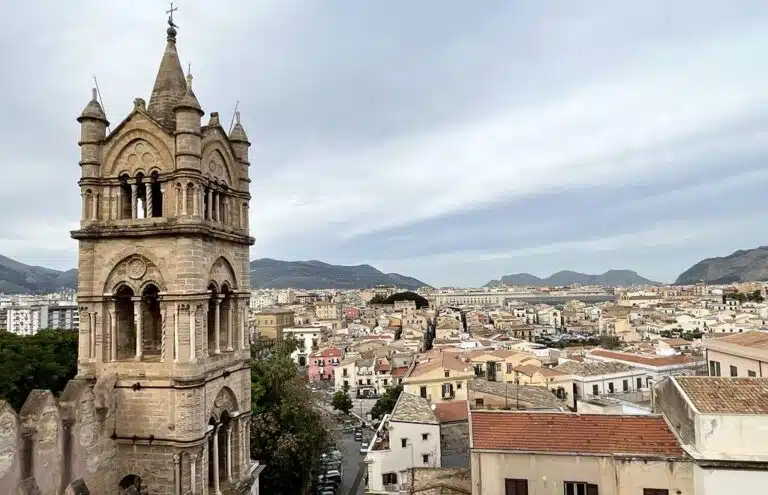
<point>566,277</point>
<point>741,266</point>
<point>313,274</point>
<point>18,278</point>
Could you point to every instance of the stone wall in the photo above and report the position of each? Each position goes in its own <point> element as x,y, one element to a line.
<point>454,444</point>
<point>52,443</point>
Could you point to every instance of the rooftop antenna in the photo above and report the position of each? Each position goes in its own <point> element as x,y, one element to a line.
<point>234,114</point>
<point>101,102</point>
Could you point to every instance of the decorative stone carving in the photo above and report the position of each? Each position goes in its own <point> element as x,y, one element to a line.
<point>137,268</point>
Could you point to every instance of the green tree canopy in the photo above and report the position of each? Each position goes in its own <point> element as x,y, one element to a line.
<point>341,402</point>
<point>386,403</point>
<point>287,433</point>
<point>46,360</point>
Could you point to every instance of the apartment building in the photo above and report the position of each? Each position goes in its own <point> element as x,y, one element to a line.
<point>270,322</point>
<point>408,438</point>
<point>543,453</point>
<point>739,354</point>
<point>439,376</point>
<point>591,379</point>
<point>28,319</point>
<point>323,362</point>
<point>308,338</point>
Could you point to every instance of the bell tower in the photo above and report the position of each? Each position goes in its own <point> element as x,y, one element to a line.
<point>163,288</point>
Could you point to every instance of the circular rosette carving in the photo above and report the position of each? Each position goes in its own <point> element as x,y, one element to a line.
<point>136,268</point>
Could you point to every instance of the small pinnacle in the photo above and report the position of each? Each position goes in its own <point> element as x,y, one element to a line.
<point>189,82</point>
<point>237,116</point>
<point>95,94</point>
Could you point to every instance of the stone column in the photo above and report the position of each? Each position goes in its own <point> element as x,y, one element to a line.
<point>192,331</point>
<point>92,334</point>
<point>183,200</point>
<point>216,488</point>
<point>195,202</point>
<point>95,206</point>
<point>175,333</point>
<point>246,332</point>
<point>229,453</point>
<point>84,342</point>
<point>137,322</point>
<point>204,333</point>
<point>193,473</point>
<point>148,192</point>
<point>217,325</point>
<point>201,200</point>
<point>246,449</point>
<point>176,475</point>
<point>113,334</point>
<point>119,204</point>
<point>134,200</point>
<point>219,202</point>
<point>230,319</point>
<point>209,211</point>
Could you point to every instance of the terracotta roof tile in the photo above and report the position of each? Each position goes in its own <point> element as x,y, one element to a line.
<point>726,395</point>
<point>645,360</point>
<point>451,411</point>
<point>399,371</point>
<point>573,433</point>
<point>752,338</point>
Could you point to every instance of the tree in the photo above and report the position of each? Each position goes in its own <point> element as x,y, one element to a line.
<point>341,402</point>
<point>421,302</point>
<point>609,342</point>
<point>46,360</point>
<point>386,403</point>
<point>287,433</point>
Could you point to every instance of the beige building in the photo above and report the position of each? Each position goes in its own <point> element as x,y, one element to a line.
<point>542,453</point>
<point>327,311</point>
<point>740,354</point>
<point>161,400</point>
<point>270,323</point>
<point>439,376</point>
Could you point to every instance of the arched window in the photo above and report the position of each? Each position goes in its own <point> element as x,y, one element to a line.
<point>151,321</point>
<point>212,301</point>
<point>226,315</point>
<point>126,327</point>
<point>125,198</point>
<point>88,205</point>
<point>141,196</point>
<point>130,484</point>
<point>157,195</point>
<point>218,456</point>
<point>190,198</point>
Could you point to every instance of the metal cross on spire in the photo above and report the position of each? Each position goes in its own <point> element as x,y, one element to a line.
<point>170,15</point>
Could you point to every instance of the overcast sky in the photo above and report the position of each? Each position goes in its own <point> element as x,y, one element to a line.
<point>453,141</point>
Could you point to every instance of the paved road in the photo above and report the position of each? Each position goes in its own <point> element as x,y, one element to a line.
<point>354,467</point>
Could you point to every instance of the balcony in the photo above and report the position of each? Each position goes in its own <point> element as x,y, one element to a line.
<point>450,396</point>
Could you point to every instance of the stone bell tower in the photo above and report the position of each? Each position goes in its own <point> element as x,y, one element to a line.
<point>163,289</point>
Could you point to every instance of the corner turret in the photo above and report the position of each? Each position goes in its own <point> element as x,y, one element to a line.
<point>188,137</point>
<point>93,130</point>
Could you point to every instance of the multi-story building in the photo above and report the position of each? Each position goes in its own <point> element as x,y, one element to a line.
<point>63,315</point>
<point>592,379</point>
<point>405,439</point>
<point>327,311</point>
<point>323,362</point>
<point>308,338</point>
<point>270,323</point>
<point>439,376</point>
<point>28,319</point>
<point>740,354</point>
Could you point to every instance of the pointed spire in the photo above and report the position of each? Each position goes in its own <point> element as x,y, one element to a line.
<point>170,84</point>
<point>238,132</point>
<point>93,109</point>
<point>189,100</point>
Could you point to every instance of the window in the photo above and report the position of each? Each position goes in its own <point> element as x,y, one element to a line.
<point>447,373</point>
<point>425,436</point>
<point>515,487</point>
<point>625,385</point>
<point>385,382</point>
<point>509,367</point>
<point>389,478</point>
<point>447,389</point>
<point>423,392</point>
<point>639,383</point>
<point>714,368</point>
<point>479,402</point>
<point>346,384</point>
<point>610,387</point>
<point>594,390</point>
<point>751,373</point>
<point>734,371</point>
<point>425,458</point>
<point>655,491</point>
<point>579,488</point>
<point>458,385</point>
<point>403,442</point>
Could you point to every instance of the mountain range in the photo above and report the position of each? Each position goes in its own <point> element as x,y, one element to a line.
<point>567,277</point>
<point>745,265</point>
<point>18,278</point>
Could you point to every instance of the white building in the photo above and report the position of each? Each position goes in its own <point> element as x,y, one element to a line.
<point>722,424</point>
<point>308,337</point>
<point>409,437</point>
<point>28,319</point>
<point>595,379</point>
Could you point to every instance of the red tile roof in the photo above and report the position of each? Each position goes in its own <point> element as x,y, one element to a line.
<point>573,433</point>
<point>723,395</point>
<point>645,360</point>
<point>329,352</point>
<point>451,411</point>
<point>398,372</point>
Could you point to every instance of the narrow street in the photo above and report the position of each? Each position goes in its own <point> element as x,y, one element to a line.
<point>352,481</point>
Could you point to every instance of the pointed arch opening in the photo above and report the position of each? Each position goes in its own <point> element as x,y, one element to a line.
<point>130,484</point>
<point>141,196</point>
<point>190,199</point>
<point>226,316</point>
<point>213,314</point>
<point>152,321</point>
<point>157,195</point>
<point>124,210</point>
<point>126,324</point>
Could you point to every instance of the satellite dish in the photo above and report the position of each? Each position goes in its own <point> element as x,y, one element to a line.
<point>433,406</point>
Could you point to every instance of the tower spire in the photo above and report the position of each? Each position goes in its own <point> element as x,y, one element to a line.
<point>170,83</point>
